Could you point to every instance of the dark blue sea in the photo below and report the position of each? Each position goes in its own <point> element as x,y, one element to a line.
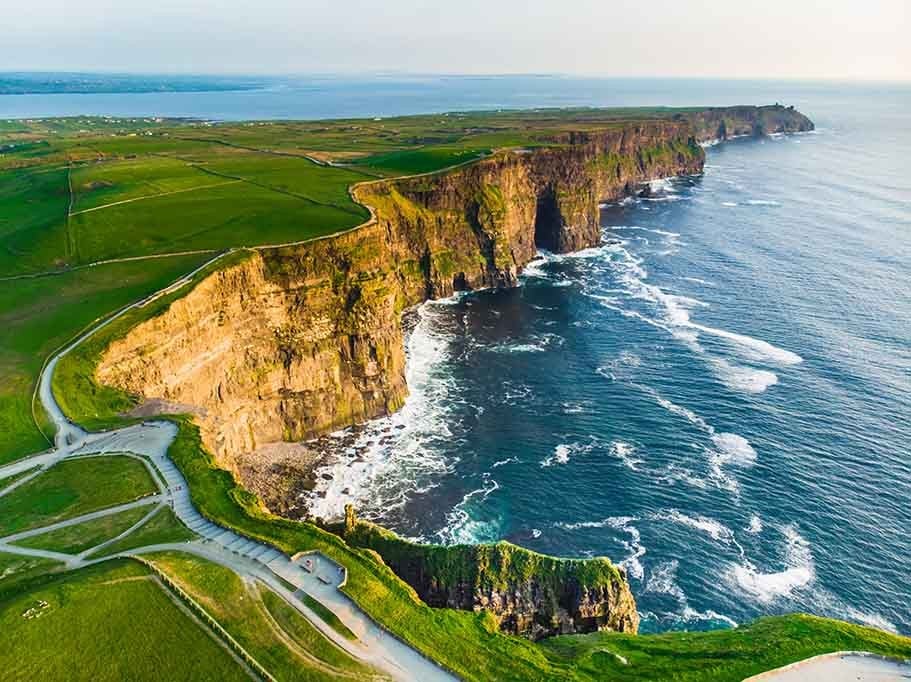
<point>718,396</point>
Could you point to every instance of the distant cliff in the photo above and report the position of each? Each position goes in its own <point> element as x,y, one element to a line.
<point>724,123</point>
<point>530,594</point>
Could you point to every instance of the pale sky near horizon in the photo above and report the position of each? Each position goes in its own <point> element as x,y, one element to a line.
<point>840,39</point>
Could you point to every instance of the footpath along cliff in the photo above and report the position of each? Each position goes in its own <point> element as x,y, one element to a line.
<point>297,341</point>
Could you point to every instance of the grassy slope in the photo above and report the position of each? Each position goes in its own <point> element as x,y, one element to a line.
<point>240,609</point>
<point>37,316</point>
<point>108,622</point>
<point>722,655</point>
<point>161,528</point>
<point>72,488</point>
<point>83,536</point>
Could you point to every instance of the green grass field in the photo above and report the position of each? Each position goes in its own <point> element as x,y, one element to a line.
<point>285,644</point>
<point>162,528</point>
<point>72,488</point>
<point>80,537</point>
<point>107,622</point>
<point>721,655</point>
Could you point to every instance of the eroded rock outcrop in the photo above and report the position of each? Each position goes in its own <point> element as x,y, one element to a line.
<point>528,593</point>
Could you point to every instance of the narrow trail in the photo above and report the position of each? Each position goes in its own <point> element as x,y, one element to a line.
<point>306,573</point>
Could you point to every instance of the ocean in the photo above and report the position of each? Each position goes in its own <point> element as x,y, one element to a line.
<point>718,397</point>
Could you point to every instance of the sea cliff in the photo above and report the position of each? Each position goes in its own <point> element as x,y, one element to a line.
<point>304,339</point>
<point>300,340</point>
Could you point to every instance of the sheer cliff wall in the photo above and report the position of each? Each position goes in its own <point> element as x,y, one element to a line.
<point>304,339</point>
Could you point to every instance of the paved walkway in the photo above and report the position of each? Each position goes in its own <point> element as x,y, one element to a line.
<point>312,574</point>
<point>842,666</point>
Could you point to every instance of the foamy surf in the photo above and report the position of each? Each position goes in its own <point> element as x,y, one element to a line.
<point>565,451</point>
<point>798,571</point>
<point>392,458</point>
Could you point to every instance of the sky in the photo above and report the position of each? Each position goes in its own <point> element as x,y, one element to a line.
<point>832,39</point>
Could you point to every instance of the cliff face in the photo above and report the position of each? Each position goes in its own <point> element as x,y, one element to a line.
<point>300,340</point>
<point>726,122</point>
<point>529,594</point>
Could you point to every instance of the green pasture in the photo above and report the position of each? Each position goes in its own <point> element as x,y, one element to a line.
<point>39,315</point>
<point>80,537</point>
<point>162,528</point>
<point>74,487</point>
<point>108,622</point>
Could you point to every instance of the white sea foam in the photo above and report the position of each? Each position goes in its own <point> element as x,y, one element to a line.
<point>662,185</point>
<point>690,615</point>
<point>762,202</point>
<point>394,457</point>
<point>679,410</point>
<point>536,344</point>
<point>663,580</point>
<point>755,526</point>
<point>504,462</point>
<point>564,451</point>
<point>696,280</point>
<point>714,529</point>
<point>633,545</point>
<point>536,533</point>
<point>729,204</point>
<point>798,571</point>
<point>665,233</point>
<point>872,619</point>
<point>572,407</point>
<point>756,348</point>
<point>741,378</point>
<point>625,452</point>
<point>465,523</point>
